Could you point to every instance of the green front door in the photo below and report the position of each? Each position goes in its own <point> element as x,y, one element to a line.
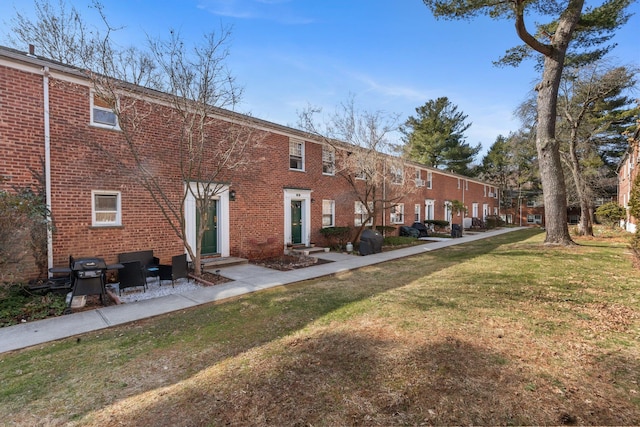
<point>210,236</point>
<point>296,221</point>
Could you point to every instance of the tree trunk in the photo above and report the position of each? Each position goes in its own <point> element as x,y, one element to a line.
<point>585,228</point>
<point>551,174</point>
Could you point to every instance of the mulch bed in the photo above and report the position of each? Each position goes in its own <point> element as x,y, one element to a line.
<point>289,262</point>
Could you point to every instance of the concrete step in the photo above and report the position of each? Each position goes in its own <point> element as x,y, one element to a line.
<point>308,250</point>
<point>212,264</point>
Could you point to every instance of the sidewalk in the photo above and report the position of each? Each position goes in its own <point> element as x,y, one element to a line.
<point>245,278</point>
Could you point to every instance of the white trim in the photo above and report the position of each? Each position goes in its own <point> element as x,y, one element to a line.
<point>291,194</point>
<point>222,196</point>
<point>118,219</point>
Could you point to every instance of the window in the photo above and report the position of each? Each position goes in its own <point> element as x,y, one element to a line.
<point>466,184</point>
<point>416,211</point>
<point>397,214</point>
<point>458,183</point>
<point>102,112</point>
<point>474,210</point>
<point>105,208</point>
<point>361,214</point>
<point>328,213</point>
<point>428,209</point>
<point>296,155</point>
<point>448,208</point>
<point>396,175</point>
<point>429,180</point>
<point>328,160</point>
<point>419,181</point>
<point>531,203</point>
<point>534,219</point>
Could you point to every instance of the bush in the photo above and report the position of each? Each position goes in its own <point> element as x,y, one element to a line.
<point>399,240</point>
<point>386,230</point>
<point>438,223</point>
<point>336,237</point>
<point>611,214</point>
<point>493,221</point>
<point>23,231</point>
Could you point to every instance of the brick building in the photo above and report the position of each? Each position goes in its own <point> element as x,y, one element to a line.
<point>627,173</point>
<point>51,116</point>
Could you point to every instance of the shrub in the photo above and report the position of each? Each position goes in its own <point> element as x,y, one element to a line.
<point>23,229</point>
<point>493,221</point>
<point>438,223</point>
<point>611,214</point>
<point>386,230</point>
<point>399,240</point>
<point>336,237</point>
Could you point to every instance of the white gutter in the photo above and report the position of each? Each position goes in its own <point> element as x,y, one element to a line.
<point>47,164</point>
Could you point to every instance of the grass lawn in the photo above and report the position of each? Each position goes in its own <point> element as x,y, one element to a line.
<point>502,331</point>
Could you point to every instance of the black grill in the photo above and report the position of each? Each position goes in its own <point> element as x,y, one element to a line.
<point>88,275</point>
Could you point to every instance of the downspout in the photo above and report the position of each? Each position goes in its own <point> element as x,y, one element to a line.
<point>47,165</point>
<point>384,196</point>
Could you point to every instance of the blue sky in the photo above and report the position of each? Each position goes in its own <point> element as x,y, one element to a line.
<point>392,55</point>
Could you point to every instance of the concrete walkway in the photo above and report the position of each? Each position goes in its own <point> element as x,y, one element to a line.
<point>245,278</point>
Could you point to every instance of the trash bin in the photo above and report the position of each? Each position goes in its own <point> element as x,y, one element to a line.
<point>456,230</point>
<point>370,242</point>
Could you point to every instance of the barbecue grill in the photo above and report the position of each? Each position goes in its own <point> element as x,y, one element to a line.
<point>88,277</point>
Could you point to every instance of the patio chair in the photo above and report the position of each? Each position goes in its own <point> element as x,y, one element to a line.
<point>177,270</point>
<point>131,275</point>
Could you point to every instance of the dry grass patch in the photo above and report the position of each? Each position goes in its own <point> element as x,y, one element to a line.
<point>500,332</point>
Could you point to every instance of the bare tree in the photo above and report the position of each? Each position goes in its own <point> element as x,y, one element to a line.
<point>593,112</point>
<point>378,181</point>
<point>212,142</point>
<point>58,32</point>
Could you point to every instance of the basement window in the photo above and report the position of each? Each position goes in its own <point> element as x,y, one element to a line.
<point>106,208</point>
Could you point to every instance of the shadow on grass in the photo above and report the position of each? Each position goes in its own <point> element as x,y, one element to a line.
<point>338,377</point>
<point>156,353</point>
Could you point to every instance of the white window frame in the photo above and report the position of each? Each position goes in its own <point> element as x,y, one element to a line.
<point>328,160</point>
<point>118,212</point>
<point>94,108</point>
<point>397,175</point>
<point>396,214</point>
<point>474,210</point>
<point>429,180</point>
<point>360,212</point>
<point>329,210</point>
<point>416,210</point>
<point>534,219</point>
<point>296,150</point>
<point>448,211</point>
<point>429,209</point>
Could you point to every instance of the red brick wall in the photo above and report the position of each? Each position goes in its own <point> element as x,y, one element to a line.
<point>80,166</point>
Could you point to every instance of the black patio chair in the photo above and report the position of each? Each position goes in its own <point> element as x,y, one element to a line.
<point>131,275</point>
<point>177,270</point>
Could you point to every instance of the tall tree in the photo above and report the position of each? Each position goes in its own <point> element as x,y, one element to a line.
<point>511,164</point>
<point>588,31</point>
<point>435,137</point>
<point>593,114</point>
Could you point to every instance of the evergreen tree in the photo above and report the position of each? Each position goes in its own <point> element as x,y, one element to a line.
<point>435,137</point>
